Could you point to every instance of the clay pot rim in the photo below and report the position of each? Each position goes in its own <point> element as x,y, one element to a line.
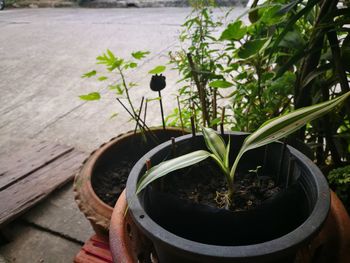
<point>94,209</point>
<point>91,162</point>
<point>279,245</point>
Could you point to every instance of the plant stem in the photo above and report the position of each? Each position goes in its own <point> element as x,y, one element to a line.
<point>214,105</point>
<point>201,91</point>
<point>258,73</point>
<point>303,94</point>
<point>234,168</point>
<point>145,112</point>
<point>139,114</point>
<point>180,114</point>
<point>133,114</point>
<point>222,121</point>
<point>193,128</point>
<point>161,108</point>
<point>143,126</point>
<point>328,132</point>
<point>127,91</point>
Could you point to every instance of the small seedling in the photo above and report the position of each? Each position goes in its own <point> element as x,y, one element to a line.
<point>255,171</point>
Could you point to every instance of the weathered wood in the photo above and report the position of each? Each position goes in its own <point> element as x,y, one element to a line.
<point>29,160</point>
<point>19,197</point>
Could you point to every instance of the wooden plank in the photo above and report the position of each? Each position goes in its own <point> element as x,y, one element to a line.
<point>22,195</point>
<point>29,160</point>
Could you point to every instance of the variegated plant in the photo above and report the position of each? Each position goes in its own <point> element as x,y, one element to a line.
<point>270,131</point>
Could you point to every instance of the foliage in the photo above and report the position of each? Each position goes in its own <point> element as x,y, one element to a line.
<point>310,41</point>
<point>339,180</point>
<point>292,54</point>
<point>120,87</point>
<point>269,132</point>
<point>198,63</point>
<point>258,94</point>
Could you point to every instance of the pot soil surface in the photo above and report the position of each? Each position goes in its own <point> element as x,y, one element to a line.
<point>188,205</point>
<point>111,181</point>
<point>205,184</point>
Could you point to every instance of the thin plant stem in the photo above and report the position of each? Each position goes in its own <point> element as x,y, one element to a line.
<point>139,114</point>
<point>193,128</point>
<point>283,152</point>
<point>143,126</point>
<point>222,121</point>
<point>145,112</point>
<point>127,91</point>
<point>201,91</point>
<point>161,108</point>
<point>214,104</point>
<point>180,114</point>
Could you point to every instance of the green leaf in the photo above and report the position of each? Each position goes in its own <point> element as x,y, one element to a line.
<point>133,65</point>
<point>234,31</point>
<point>132,84</point>
<point>271,15</point>
<point>114,115</point>
<point>292,39</point>
<point>166,167</point>
<point>214,143</point>
<point>287,7</point>
<point>315,73</point>
<point>110,60</point>
<point>251,48</point>
<point>111,55</point>
<point>227,153</point>
<point>91,96</point>
<point>140,54</point>
<point>118,88</point>
<point>296,57</point>
<point>102,78</point>
<point>153,99</point>
<point>220,84</point>
<point>89,74</point>
<point>282,126</point>
<point>290,24</point>
<point>157,70</point>
<point>215,121</point>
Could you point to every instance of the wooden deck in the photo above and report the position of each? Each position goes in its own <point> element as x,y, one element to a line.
<point>31,174</point>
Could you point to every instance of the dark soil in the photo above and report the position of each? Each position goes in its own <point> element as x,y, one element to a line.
<point>204,183</point>
<point>111,181</point>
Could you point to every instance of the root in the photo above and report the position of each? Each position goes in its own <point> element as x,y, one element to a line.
<point>223,200</point>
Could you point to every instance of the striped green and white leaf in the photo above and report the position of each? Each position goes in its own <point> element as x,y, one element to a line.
<point>214,143</point>
<point>282,126</point>
<point>169,166</point>
<point>219,152</point>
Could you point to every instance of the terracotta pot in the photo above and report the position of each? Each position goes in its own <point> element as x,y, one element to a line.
<point>332,244</point>
<point>95,210</point>
<point>129,245</point>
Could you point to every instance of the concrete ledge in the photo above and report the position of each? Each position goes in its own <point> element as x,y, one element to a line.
<point>152,3</point>
<point>46,3</point>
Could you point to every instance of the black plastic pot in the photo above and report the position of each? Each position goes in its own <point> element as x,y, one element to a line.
<point>185,232</point>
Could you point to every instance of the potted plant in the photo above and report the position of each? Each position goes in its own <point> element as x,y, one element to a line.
<point>101,178</point>
<point>265,216</point>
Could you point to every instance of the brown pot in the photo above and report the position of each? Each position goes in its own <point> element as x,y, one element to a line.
<point>95,210</point>
<point>126,242</point>
<point>332,244</point>
<point>129,245</point>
